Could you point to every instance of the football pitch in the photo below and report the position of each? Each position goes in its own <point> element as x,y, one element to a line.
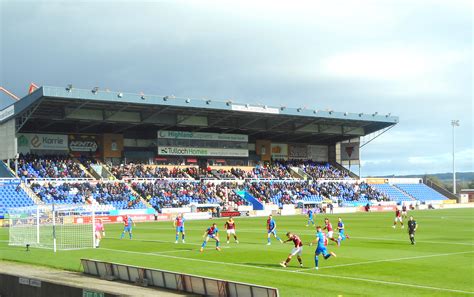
<point>376,261</point>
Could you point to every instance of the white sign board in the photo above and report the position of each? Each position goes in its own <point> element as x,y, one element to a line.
<point>201,151</point>
<point>43,142</point>
<point>297,151</point>
<point>202,136</point>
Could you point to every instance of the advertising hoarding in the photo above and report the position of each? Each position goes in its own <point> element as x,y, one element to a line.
<point>202,136</point>
<point>201,151</point>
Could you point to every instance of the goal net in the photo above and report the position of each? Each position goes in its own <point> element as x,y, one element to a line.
<point>57,227</point>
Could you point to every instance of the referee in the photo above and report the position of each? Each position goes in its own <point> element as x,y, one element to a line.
<point>412,225</point>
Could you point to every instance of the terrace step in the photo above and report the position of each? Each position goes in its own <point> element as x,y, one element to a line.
<point>5,170</point>
<point>31,194</point>
<point>404,192</point>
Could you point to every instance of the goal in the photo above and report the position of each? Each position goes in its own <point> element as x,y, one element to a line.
<point>57,227</point>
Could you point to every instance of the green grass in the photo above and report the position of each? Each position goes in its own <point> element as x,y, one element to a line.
<point>376,261</point>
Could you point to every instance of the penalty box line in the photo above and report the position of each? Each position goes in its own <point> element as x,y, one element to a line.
<point>389,260</point>
<point>307,232</point>
<point>298,272</point>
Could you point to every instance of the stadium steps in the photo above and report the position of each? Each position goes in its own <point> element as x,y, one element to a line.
<point>257,205</point>
<point>299,173</point>
<point>83,168</point>
<point>439,189</point>
<point>102,171</point>
<point>136,194</point>
<point>344,169</point>
<point>394,193</point>
<point>37,200</point>
<point>404,192</point>
<point>5,171</point>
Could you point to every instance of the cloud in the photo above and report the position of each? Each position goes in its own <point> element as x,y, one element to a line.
<point>410,58</point>
<point>389,63</point>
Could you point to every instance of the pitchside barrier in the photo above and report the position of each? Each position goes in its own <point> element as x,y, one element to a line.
<point>174,281</point>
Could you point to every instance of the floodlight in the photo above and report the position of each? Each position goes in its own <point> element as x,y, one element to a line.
<point>166,98</point>
<point>282,108</point>
<point>299,109</point>
<point>229,103</point>
<point>188,100</point>
<point>95,90</point>
<point>208,101</point>
<point>120,95</point>
<point>69,88</point>
<point>375,113</point>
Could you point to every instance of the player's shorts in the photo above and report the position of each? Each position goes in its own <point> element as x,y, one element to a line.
<point>231,231</point>
<point>321,250</point>
<point>98,234</point>
<point>127,229</point>
<point>330,234</point>
<point>342,234</point>
<point>273,231</point>
<point>180,229</point>
<point>398,219</point>
<point>212,236</point>
<point>404,213</point>
<point>297,251</point>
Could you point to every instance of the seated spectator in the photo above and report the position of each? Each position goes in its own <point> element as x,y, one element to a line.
<point>147,171</point>
<point>48,166</point>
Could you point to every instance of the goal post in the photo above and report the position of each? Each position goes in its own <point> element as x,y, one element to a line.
<point>56,227</point>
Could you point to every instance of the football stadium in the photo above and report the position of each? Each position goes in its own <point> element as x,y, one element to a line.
<point>108,193</point>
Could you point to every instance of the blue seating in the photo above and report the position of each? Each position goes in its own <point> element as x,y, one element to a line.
<point>119,196</point>
<point>392,192</point>
<point>421,192</point>
<point>12,196</point>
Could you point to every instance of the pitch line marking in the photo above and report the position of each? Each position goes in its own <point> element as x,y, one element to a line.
<point>388,260</point>
<point>173,251</point>
<point>434,242</point>
<point>300,272</point>
<point>352,237</point>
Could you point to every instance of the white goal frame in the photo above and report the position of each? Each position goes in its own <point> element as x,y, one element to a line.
<point>52,226</point>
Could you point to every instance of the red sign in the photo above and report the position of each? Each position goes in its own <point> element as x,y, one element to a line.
<point>119,219</point>
<point>230,213</point>
<point>381,208</point>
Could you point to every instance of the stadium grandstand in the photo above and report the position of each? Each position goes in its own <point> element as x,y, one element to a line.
<point>150,154</point>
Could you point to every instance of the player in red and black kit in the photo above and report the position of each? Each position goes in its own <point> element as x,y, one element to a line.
<point>297,250</point>
<point>328,227</point>
<point>398,218</point>
<point>230,227</point>
<point>404,211</point>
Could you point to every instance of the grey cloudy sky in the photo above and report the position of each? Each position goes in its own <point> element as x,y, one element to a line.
<point>410,58</point>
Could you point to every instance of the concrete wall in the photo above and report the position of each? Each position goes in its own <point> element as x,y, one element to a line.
<point>13,286</point>
<point>8,142</point>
